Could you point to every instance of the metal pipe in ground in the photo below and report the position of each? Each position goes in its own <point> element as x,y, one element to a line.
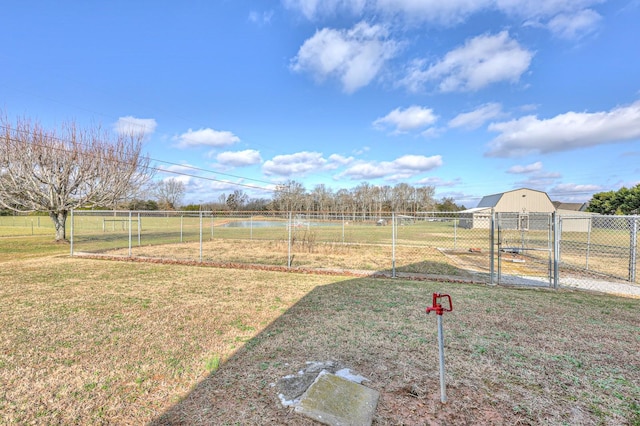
<point>443,389</point>
<point>439,310</point>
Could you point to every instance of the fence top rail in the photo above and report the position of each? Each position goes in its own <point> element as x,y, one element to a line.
<point>420,215</point>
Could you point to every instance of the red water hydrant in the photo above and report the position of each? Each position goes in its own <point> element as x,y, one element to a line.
<point>439,310</point>
<point>437,307</point>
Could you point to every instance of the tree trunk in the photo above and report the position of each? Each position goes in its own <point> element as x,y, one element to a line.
<point>59,222</point>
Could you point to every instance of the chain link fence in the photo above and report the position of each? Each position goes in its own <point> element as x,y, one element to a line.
<point>597,248</point>
<point>17,225</point>
<point>392,243</point>
<point>534,249</point>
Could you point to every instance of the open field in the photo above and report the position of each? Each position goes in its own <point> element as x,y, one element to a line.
<point>101,342</point>
<point>184,228</point>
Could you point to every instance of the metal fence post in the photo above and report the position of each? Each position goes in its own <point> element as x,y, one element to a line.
<point>71,236</point>
<point>129,233</point>
<point>492,254</point>
<point>181,220</point>
<point>393,244</point>
<point>559,222</point>
<point>455,232</point>
<point>550,249</point>
<point>633,248</point>
<point>201,236</point>
<point>588,242</point>
<point>289,252</point>
<point>556,250</point>
<point>139,228</point>
<point>499,226</point>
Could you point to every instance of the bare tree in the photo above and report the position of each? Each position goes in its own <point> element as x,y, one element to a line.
<point>237,200</point>
<point>169,193</point>
<point>45,170</point>
<point>425,198</point>
<point>289,196</point>
<point>322,197</point>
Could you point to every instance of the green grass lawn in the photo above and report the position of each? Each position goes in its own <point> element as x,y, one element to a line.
<point>88,341</point>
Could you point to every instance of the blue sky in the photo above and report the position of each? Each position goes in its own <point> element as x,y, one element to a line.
<point>471,97</point>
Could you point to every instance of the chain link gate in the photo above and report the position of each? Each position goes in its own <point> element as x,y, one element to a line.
<point>524,245</point>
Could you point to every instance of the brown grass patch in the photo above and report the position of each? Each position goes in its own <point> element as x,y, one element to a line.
<point>87,342</point>
<point>359,257</point>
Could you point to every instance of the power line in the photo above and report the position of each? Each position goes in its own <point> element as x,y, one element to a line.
<point>154,167</point>
<point>206,170</point>
<point>159,161</point>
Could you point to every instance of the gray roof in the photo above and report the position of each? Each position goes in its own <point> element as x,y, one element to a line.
<point>490,200</point>
<point>570,206</point>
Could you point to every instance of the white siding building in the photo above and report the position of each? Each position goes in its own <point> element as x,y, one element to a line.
<point>523,203</point>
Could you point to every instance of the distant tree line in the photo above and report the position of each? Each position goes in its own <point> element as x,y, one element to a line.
<point>364,199</point>
<point>621,202</point>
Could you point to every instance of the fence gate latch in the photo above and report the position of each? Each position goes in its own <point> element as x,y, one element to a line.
<point>439,309</point>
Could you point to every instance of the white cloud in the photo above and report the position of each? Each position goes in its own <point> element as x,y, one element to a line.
<point>564,132</point>
<point>476,118</point>
<point>483,60</point>
<point>568,19</point>
<point>418,163</point>
<point>299,163</point>
<point>178,170</point>
<point>529,168</point>
<point>263,18</point>
<point>247,157</point>
<point>438,11</point>
<point>574,26</point>
<point>432,132</point>
<point>180,178</point>
<point>314,9</point>
<point>363,170</point>
<point>537,179</point>
<point>402,167</point>
<point>206,191</point>
<point>548,175</point>
<point>543,9</point>
<point>573,188</point>
<point>438,182</point>
<point>411,118</point>
<point>302,163</point>
<point>206,137</point>
<point>338,160</point>
<point>143,127</point>
<point>352,56</point>
<point>572,192</point>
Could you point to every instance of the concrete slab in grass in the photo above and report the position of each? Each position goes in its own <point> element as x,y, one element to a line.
<point>334,401</point>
